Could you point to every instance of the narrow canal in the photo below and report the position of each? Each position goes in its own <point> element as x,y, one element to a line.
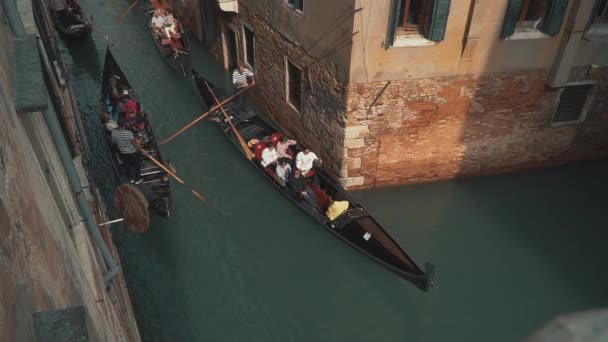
<point>511,252</point>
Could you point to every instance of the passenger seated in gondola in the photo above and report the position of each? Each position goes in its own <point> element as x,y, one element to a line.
<point>299,185</point>
<point>108,123</point>
<point>337,207</point>
<point>283,171</point>
<point>305,161</point>
<point>283,147</point>
<point>128,104</point>
<point>269,156</point>
<point>158,23</point>
<point>171,23</point>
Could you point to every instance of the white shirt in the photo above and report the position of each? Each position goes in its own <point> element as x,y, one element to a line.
<point>283,172</point>
<point>304,161</point>
<point>158,22</point>
<point>269,157</point>
<point>239,79</point>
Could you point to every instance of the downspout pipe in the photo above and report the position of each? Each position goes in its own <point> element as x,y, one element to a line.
<point>78,192</point>
<point>14,20</point>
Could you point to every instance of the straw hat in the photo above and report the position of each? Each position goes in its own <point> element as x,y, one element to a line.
<point>252,142</point>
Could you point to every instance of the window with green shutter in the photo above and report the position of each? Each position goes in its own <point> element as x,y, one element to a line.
<point>554,17</point>
<point>544,15</point>
<point>427,18</point>
<point>437,23</point>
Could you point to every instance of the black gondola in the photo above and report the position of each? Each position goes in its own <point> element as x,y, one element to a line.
<point>156,185</point>
<point>355,226</point>
<point>70,20</point>
<point>176,50</point>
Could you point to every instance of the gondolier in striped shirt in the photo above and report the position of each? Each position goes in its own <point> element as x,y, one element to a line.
<point>240,80</point>
<point>127,145</point>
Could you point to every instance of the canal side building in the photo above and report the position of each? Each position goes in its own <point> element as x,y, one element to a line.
<point>60,275</point>
<point>402,91</point>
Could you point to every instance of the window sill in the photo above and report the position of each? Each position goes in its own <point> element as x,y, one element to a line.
<point>411,40</point>
<point>295,10</point>
<point>528,33</point>
<point>556,124</point>
<point>597,32</point>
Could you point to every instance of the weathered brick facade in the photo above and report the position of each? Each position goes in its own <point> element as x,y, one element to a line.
<point>441,128</point>
<point>320,122</point>
<point>483,119</point>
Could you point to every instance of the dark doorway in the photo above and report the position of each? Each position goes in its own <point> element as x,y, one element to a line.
<point>232,49</point>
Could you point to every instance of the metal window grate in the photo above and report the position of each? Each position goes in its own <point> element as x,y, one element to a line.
<point>572,102</point>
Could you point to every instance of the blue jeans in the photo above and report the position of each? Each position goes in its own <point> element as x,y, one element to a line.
<point>310,198</point>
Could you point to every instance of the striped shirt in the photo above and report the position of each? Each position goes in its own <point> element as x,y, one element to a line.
<point>124,140</point>
<point>238,79</point>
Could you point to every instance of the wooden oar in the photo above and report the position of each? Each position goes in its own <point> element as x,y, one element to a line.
<point>130,8</point>
<point>203,116</point>
<point>172,175</point>
<point>236,133</point>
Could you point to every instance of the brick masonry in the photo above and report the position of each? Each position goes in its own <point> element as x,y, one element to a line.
<point>441,128</point>
<point>421,130</point>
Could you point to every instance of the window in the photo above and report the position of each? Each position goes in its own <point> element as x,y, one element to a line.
<point>411,16</point>
<point>531,13</point>
<point>544,16</point>
<point>573,103</point>
<point>600,12</point>
<point>296,4</point>
<point>293,79</point>
<point>249,46</point>
<point>424,18</point>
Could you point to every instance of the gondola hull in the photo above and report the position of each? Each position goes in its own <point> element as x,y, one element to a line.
<point>156,185</point>
<point>179,61</point>
<point>358,228</point>
<point>72,24</point>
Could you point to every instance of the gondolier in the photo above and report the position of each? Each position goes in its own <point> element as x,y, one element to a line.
<point>127,145</point>
<point>241,77</point>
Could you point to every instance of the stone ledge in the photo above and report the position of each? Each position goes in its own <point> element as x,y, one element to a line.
<point>352,181</point>
<point>30,90</point>
<point>354,143</point>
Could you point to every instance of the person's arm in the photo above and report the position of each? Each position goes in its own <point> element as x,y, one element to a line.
<point>251,76</point>
<point>234,83</point>
<point>299,161</point>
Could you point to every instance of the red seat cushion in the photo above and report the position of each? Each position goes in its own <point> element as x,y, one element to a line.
<point>274,138</point>
<point>257,150</point>
<point>310,173</point>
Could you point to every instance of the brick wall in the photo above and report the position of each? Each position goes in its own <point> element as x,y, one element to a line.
<point>440,128</point>
<point>320,122</point>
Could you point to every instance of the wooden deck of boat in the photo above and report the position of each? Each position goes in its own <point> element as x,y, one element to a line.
<point>163,4</point>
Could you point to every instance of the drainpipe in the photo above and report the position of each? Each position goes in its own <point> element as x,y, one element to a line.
<point>14,20</point>
<point>576,21</point>
<point>83,203</point>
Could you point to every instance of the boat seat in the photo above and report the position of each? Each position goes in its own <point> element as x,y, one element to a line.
<point>323,201</point>
<point>257,150</point>
<point>274,138</point>
<point>310,173</point>
<point>165,41</point>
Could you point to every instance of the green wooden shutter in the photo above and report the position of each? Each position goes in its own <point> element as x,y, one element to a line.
<point>554,16</point>
<point>393,17</point>
<point>511,18</point>
<point>435,25</point>
<point>596,8</point>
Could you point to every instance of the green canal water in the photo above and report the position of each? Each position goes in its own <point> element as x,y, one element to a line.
<point>511,252</point>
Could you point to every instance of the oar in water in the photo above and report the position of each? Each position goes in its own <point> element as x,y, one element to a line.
<point>203,116</point>
<point>130,8</point>
<point>194,192</point>
<point>236,133</point>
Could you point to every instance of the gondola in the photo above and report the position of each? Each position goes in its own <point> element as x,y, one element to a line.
<point>70,20</point>
<point>356,226</point>
<point>155,186</point>
<point>176,50</point>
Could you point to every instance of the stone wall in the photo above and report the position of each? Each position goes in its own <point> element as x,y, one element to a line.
<point>320,122</point>
<point>441,128</point>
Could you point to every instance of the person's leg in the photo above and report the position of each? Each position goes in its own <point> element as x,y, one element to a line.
<point>128,165</point>
<point>310,198</point>
<point>136,166</point>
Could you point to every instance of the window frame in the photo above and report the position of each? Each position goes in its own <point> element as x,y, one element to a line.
<point>588,102</point>
<point>293,6</point>
<point>598,18</point>
<point>289,62</point>
<point>402,28</point>
<point>246,52</point>
<point>525,7</point>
